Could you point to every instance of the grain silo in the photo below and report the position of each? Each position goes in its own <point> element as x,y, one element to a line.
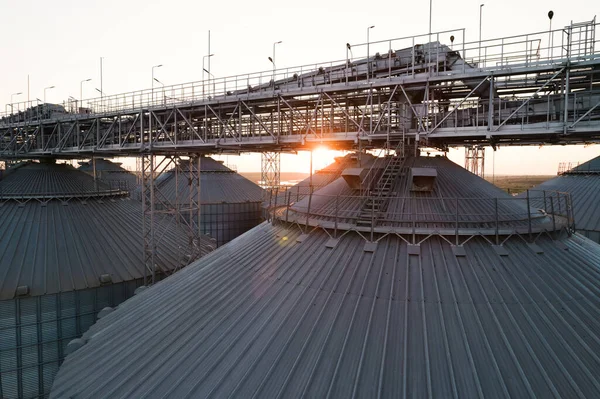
<point>69,247</point>
<point>583,183</point>
<point>230,203</point>
<point>111,172</point>
<point>320,178</point>
<point>445,288</point>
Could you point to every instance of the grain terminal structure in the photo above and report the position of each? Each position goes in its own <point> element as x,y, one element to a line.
<point>110,171</point>
<point>70,247</point>
<point>230,203</point>
<point>583,183</point>
<point>446,287</point>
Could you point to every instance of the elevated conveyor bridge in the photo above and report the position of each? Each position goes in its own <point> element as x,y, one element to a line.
<point>540,88</point>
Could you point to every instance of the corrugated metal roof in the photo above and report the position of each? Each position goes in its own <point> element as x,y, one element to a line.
<point>593,165</point>
<point>320,179</point>
<point>268,316</point>
<point>112,173</point>
<point>478,201</point>
<point>288,310</point>
<point>34,178</point>
<point>102,165</point>
<point>218,184</point>
<point>585,191</point>
<point>62,245</point>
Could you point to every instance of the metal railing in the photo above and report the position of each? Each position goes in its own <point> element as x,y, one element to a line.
<point>113,188</point>
<point>423,53</point>
<point>538,210</point>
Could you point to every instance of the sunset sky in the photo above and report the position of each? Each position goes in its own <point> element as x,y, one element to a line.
<point>59,43</point>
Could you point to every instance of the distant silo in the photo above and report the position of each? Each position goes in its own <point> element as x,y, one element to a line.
<point>69,247</point>
<point>231,204</point>
<point>446,288</point>
<point>111,172</point>
<point>583,183</point>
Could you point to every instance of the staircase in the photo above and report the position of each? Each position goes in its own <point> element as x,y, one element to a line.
<point>376,203</point>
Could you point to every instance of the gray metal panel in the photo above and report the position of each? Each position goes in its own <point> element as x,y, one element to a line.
<point>271,317</point>
<point>477,199</point>
<point>109,171</point>
<point>34,332</point>
<point>593,165</point>
<point>218,184</point>
<point>225,221</point>
<point>47,178</point>
<point>54,246</point>
<point>585,192</point>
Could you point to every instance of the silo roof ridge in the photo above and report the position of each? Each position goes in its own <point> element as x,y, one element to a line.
<point>457,199</point>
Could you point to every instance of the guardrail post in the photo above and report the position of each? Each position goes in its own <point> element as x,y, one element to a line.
<point>308,209</point>
<point>270,205</point>
<point>275,206</point>
<point>544,192</point>
<point>571,218</point>
<point>287,207</point>
<point>497,217</point>
<point>559,206</point>
<point>372,216</point>
<point>529,216</point>
<point>414,220</point>
<point>553,215</point>
<point>336,216</point>
<point>456,222</point>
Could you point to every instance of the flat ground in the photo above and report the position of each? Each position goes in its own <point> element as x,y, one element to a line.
<point>509,183</point>
<point>517,184</point>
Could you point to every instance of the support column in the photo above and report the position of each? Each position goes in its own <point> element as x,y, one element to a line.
<point>270,170</point>
<point>161,211</point>
<point>475,159</point>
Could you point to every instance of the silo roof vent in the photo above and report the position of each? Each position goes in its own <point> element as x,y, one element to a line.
<point>22,290</point>
<point>423,179</point>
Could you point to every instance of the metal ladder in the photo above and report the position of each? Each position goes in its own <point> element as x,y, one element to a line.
<point>376,203</point>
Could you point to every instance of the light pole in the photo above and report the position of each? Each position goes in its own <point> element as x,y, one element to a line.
<point>46,88</point>
<point>550,15</point>
<point>368,52</point>
<point>155,66</point>
<point>210,75</point>
<point>163,88</point>
<point>430,12</point>
<point>273,61</point>
<point>480,14</point>
<point>348,64</point>
<point>101,87</point>
<point>11,100</point>
<point>81,90</point>
<point>204,69</point>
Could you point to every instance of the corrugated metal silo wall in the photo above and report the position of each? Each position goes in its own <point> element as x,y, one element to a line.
<point>35,331</point>
<point>226,221</point>
<point>592,235</point>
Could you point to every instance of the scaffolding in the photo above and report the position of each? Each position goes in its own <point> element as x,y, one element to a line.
<point>475,159</point>
<point>270,170</point>
<point>158,210</point>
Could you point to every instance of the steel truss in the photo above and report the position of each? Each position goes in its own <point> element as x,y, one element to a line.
<point>158,210</point>
<point>475,159</point>
<point>548,104</point>
<point>270,170</point>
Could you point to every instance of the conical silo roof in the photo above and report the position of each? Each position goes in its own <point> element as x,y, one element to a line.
<point>319,179</point>
<point>61,231</point>
<point>495,306</point>
<point>110,171</point>
<point>583,183</point>
<point>218,184</point>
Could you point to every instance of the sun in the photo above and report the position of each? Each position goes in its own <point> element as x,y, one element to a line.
<point>323,156</point>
